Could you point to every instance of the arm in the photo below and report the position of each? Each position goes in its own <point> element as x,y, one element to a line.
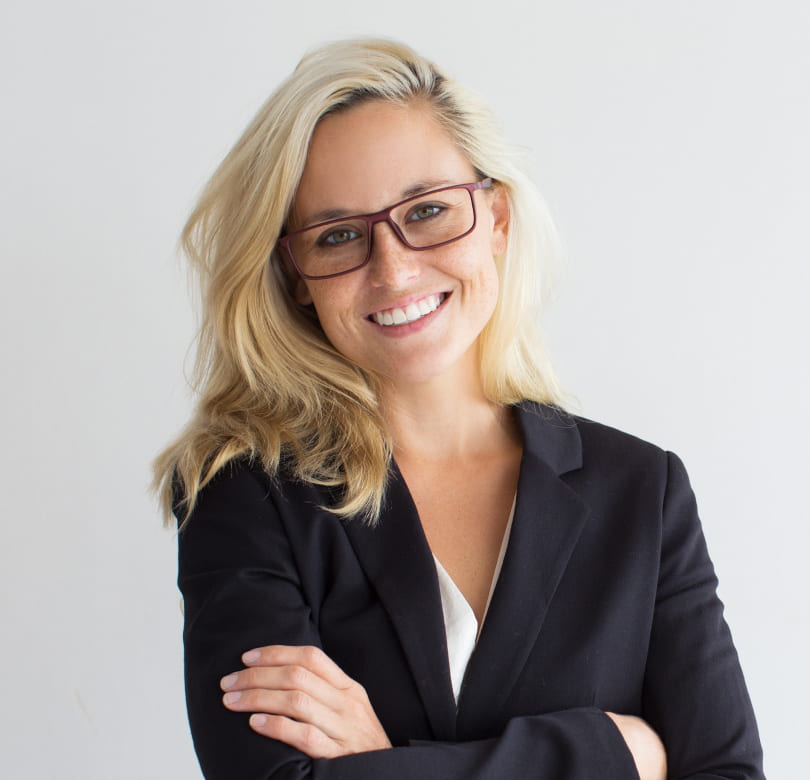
<point>300,697</point>
<point>694,692</point>
<point>242,590</point>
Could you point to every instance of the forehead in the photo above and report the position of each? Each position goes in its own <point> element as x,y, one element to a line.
<point>364,158</point>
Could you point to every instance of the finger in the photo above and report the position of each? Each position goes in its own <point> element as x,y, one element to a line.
<point>290,704</point>
<point>307,656</point>
<point>286,678</point>
<point>302,736</point>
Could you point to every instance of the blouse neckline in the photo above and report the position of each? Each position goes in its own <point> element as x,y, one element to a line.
<point>461,626</point>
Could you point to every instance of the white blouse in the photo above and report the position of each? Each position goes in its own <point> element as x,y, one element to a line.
<point>460,624</point>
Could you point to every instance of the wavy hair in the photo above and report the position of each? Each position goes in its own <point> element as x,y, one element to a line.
<point>271,387</point>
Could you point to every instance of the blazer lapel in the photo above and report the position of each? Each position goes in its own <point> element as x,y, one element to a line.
<point>549,518</point>
<point>397,560</point>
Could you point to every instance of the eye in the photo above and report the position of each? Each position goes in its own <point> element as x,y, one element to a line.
<point>425,211</point>
<point>338,236</point>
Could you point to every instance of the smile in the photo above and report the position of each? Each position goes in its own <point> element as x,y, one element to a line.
<point>410,313</point>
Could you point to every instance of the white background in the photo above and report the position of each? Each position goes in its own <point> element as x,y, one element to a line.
<point>671,142</point>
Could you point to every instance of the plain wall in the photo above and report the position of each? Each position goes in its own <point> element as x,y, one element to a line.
<point>670,140</point>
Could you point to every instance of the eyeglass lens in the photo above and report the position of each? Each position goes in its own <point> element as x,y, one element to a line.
<point>423,221</point>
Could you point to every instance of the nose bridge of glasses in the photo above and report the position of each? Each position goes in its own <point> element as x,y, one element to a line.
<point>391,259</point>
<point>384,216</point>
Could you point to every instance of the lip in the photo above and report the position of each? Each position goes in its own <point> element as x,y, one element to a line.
<point>407,328</point>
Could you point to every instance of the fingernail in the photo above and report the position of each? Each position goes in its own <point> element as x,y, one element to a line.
<point>250,656</point>
<point>258,720</point>
<point>227,682</point>
<point>232,697</point>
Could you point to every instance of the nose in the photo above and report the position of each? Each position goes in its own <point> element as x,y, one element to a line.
<point>392,264</point>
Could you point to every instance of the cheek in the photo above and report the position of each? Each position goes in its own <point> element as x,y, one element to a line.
<point>334,313</point>
<point>488,289</point>
<point>476,267</point>
<point>491,291</point>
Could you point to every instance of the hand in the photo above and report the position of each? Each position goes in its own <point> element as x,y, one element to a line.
<point>644,744</point>
<point>301,697</point>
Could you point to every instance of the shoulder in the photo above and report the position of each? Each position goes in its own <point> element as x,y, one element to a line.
<point>230,518</point>
<point>244,485</point>
<point>638,490</point>
<point>242,478</point>
<point>244,509</point>
<point>570,442</point>
<point>605,444</point>
<point>241,482</point>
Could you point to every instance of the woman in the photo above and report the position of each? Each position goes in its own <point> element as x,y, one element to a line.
<point>399,557</point>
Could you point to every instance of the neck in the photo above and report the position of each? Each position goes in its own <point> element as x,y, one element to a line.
<point>445,419</point>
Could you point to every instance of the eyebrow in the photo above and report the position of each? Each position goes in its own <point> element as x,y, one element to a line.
<point>327,215</point>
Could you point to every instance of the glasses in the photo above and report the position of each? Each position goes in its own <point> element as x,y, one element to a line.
<point>426,221</point>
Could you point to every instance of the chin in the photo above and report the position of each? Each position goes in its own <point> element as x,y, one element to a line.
<point>416,372</point>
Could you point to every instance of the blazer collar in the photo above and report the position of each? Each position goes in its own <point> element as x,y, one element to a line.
<point>549,518</point>
<point>396,557</point>
<point>397,560</point>
<point>551,435</point>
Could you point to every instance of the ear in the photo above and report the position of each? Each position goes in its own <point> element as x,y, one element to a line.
<point>499,206</point>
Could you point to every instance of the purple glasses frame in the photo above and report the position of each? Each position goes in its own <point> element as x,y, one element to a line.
<point>385,216</point>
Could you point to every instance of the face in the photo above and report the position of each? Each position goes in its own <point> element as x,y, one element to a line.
<point>361,161</point>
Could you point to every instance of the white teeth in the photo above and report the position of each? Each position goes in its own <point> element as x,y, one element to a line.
<point>411,313</point>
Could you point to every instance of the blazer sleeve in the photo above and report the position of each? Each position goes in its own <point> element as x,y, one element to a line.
<point>694,694</point>
<point>241,590</point>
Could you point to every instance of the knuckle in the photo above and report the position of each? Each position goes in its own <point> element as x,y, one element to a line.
<point>278,727</point>
<point>296,676</point>
<point>300,703</point>
<point>310,738</point>
<point>357,711</point>
<point>266,655</point>
<point>311,655</point>
<point>283,728</point>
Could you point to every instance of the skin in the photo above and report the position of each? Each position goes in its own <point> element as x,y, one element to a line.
<point>300,696</point>
<point>644,744</point>
<point>400,149</point>
<point>447,435</point>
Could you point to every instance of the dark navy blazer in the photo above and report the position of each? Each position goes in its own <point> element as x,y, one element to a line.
<point>606,602</point>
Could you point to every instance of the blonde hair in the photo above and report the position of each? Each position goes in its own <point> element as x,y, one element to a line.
<point>271,385</point>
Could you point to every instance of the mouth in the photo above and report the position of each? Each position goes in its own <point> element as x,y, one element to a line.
<point>411,313</point>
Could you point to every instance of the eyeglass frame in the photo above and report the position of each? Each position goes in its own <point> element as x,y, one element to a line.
<point>384,215</point>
